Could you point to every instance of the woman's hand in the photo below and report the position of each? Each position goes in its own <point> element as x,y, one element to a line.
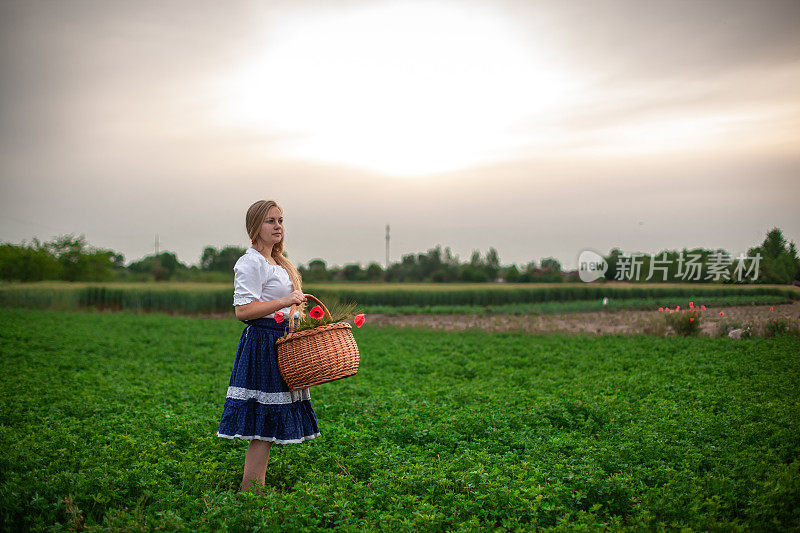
<point>295,297</point>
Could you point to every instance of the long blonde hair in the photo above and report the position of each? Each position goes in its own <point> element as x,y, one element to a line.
<point>256,214</point>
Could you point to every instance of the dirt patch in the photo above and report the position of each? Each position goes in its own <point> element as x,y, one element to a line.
<point>628,322</point>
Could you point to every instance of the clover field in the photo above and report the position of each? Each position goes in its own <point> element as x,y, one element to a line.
<point>108,422</point>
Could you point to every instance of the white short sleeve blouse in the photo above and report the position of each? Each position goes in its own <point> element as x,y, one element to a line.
<point>255,279</point>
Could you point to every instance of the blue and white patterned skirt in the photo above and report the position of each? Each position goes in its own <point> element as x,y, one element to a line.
<point>259,404</point>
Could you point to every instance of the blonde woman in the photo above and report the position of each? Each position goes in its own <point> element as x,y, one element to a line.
<point>259,407</point>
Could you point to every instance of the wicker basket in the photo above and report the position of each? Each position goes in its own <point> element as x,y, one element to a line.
<point>319,355</point>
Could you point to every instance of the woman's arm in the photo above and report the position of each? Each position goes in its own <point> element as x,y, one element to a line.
<point>257,309</point>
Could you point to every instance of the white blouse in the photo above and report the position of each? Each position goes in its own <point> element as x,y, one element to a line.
<point>255,279</point>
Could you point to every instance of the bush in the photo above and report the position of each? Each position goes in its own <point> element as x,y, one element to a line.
<point>684,322</point>
<point>779,326</point>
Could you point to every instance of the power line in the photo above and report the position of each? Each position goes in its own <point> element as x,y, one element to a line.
<point>387,246</point>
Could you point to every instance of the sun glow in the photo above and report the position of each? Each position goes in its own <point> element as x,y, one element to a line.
<point>404,89</point>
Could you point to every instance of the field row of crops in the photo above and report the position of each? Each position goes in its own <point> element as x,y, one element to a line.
<point>444,298</point>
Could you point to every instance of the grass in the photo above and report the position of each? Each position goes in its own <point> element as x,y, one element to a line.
<point>108,421</point>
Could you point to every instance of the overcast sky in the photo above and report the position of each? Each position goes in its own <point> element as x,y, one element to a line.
<point>538,128</point>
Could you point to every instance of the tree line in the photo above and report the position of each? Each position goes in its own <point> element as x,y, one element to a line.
<point>71,258</point>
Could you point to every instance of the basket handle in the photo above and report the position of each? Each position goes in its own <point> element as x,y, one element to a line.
<point>290,327</point>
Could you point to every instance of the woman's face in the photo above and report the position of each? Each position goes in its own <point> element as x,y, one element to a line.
<point>272,227</point>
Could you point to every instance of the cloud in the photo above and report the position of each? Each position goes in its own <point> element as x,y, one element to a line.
<point>103,127</point>
<point>633,40</point>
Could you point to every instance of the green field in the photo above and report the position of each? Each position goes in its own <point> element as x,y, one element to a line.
<point>108,422</point>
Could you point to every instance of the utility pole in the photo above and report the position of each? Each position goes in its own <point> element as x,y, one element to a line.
<point>157,264</point>
<point>387,246</point>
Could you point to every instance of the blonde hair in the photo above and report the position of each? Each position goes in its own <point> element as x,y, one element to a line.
<point>256,215</point>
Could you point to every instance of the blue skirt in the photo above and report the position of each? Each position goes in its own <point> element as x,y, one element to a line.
<point>259,404</point>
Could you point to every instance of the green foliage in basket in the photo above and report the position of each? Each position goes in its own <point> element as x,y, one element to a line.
<point>339,312</point>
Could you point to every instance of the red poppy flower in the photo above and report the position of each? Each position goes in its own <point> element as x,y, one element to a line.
<point>278,316</point>
<point>660,308</point>
<point>316,312</point>
<point>691,319</point>
<point>721,313</point>
<point>703,307</point>
<point>691,304</point>
<point>359,320</point>
<point>770,309</point>
<point>678,308</point>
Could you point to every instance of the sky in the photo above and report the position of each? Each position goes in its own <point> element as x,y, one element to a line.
<point>540,129</point>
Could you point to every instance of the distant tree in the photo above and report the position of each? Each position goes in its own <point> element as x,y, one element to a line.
<point>213,260</point>
<point>79,261</point>
<point>473,274</point>
<point>492,264</point>
<point>161,267</point>
<point>208,258</point>
<point>612,259</point>
<point>774,244</point>
<point>550,264</point>
<point>227,258</point>
<point>352,272</point>
<point>28,262</point>
<point>166,265</point>
<point>317,264</point>
<point>69,250</point>
<point>99,265</point>
<point>449,259</point>
<point>779,263</point>
<point>316,271</point>
<point>512,274</point>
<point>475,261</point>
<point>118,260</point>
<point>374,272</point>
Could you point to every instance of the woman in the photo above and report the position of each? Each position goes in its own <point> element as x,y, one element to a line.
<point>259,406</point>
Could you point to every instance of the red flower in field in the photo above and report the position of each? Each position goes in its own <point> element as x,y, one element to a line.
<point>359,320</point>
<point>316,312</point>
<point>691,304</point>
<point>691,319</point>
<point>770,309</point>
<point>721,313</point>
<point>703,307</point>
<point>678,308</point>
<point>278,316</point>
<point>660,308</point>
